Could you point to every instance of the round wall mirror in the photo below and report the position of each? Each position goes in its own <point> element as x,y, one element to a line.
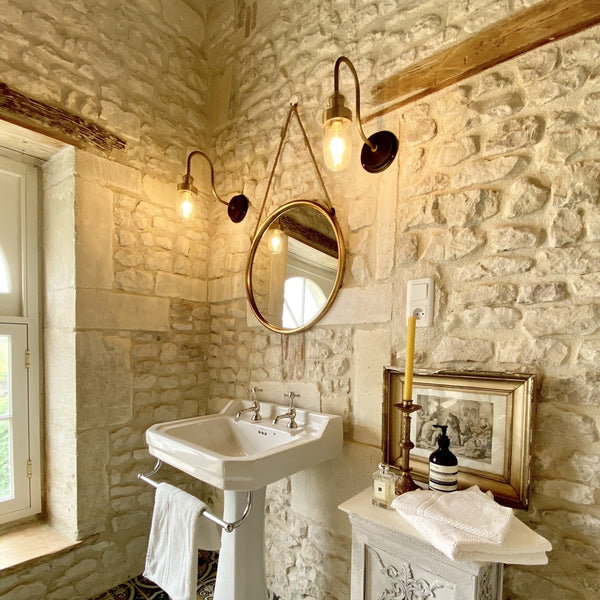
<point>295,267</point>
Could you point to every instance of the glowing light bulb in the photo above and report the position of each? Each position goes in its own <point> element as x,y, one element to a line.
<point>187,206</point>
<point>337,143</point>
<point>275,241</point>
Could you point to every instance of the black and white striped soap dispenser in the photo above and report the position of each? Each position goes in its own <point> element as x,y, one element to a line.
<point>443,465</point>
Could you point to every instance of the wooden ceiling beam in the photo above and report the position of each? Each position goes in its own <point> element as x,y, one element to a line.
<point>520,33</point>
<point>57,123</point>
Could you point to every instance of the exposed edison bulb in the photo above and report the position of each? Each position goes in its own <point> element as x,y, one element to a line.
<point>337,143</point>
<point>275,242</point>
<point>187,207</point>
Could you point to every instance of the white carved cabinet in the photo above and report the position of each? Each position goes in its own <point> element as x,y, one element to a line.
<point>392,561</point>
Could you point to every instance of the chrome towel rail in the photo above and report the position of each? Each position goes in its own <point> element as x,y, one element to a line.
<point>229,527</point>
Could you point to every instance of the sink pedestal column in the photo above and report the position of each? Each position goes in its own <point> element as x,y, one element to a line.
<point>241,570</point>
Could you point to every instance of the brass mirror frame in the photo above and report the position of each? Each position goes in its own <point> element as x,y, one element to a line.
<point>330,216</point>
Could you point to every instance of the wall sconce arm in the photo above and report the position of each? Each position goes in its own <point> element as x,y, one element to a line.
<point>336,90</point>
<point>237,207</point>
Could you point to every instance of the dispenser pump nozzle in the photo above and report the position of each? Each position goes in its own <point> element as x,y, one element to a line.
<point>443,440</point>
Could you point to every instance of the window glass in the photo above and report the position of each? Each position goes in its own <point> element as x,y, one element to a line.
<point>20,481</point>
<point>6,475</point>
<point>12,236</point>
<point>4,275</point>
<point>302,300</point>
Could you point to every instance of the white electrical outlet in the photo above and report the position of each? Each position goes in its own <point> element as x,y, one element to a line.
<point>419,301</point>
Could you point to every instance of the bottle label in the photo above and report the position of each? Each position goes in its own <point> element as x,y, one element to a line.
<point>442,478</point>
<point>381,490</point>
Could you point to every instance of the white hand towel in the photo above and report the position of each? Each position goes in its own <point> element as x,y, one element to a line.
<point>178,530</point>
<point>519,544</point>
<point>468,510</point>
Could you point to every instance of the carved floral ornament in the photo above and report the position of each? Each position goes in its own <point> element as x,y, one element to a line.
<point>401,584</point>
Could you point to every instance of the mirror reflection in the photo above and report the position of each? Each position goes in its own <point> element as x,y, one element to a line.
<point>295,267</point>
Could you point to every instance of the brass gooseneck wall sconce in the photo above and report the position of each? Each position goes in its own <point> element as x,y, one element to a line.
<point>379,149</point>
<point>237,207</point>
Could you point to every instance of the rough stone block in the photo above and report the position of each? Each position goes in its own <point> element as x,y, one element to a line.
<point>567,425</point>
<point>496,266</point>
<point>184,20</point>
<point>553,291</point>
<point>134,280</point>
<point>220,289</point>
<point>372,352</point>
<point>488,318</point>
<point>562,319</point>
<point>180,286</point>
<point>503,239</point>
<point>107,172</point>
<point>362,213</point>
<point>99,309</point>
<point>160,192</point>
<point>463,350</point>
<point>468,208</point>
<point>455,152</point>
<point>93,490</point>
<point>104,380</point>
<point>525,196</point>
<point>500,106</point>
<point>361,305</point>
<point>479,172</point>
<point>94,229</point>
<point>429,184</point>
<point>566,228</point>
<point>454,244</point>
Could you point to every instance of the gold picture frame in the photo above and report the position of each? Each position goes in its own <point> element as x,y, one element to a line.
<point>489,418</point>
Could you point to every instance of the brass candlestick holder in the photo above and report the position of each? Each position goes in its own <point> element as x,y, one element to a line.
<point>405,482</point>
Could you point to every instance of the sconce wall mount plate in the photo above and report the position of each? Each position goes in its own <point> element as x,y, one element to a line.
<point>381,156</point>
<point>237,208</point>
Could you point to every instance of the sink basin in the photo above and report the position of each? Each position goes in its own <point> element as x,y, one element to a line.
<point>244,455</point>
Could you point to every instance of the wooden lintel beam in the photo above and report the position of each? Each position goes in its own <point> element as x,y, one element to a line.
<point>520,33</point>
<point>54,122</point>
<point>308,236</point>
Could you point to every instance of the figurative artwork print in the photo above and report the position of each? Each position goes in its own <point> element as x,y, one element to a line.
<point>488,419</point>
<point>471,421</point>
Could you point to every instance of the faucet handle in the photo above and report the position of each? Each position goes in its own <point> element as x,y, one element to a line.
<point>253,390</point>
<point>291,396</point>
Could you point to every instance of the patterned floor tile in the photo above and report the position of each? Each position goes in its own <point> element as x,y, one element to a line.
<point>140,588</point>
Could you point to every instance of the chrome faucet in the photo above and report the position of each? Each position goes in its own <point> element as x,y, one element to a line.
<point>255,407</point>
<point>291,413</point>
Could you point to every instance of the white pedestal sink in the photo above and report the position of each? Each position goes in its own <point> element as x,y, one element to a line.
<point>242,456</point>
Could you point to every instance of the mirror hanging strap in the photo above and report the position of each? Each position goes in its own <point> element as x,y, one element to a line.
<point>293,110</point>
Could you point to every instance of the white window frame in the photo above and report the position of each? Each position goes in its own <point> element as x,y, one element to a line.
<point>26,327</point>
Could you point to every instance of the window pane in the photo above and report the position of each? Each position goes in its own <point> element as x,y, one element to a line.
<point>4,350</point>
<point>5,286</point>
<point>5,475</point>
<point>12,241</point>
<point>303,299</point>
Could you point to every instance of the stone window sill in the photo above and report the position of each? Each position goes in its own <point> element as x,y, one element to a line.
<point>29,542</point>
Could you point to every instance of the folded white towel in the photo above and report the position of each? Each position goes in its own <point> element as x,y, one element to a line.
<point>178,530</point>
<point>519,544</point>
<point>469,510</point>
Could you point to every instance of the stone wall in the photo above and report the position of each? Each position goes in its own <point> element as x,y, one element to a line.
<point>137,68</point>
<point>494,194</point>
<point>126,316</point>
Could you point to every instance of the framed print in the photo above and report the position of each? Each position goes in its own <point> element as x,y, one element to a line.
<point>489,423</point>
